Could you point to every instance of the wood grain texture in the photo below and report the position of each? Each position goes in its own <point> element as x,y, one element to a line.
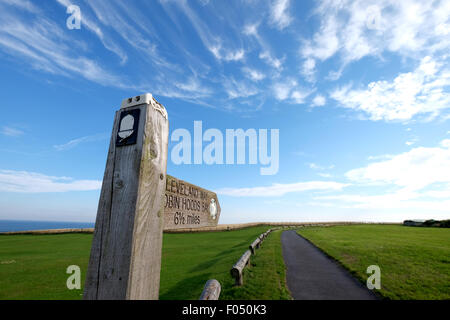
<point>147,242</point>
<point>128,229</point>
<point>255,244</point>
<point>211,291</point>
<point>188,206</point>
<point>102,221</point>
<point>236,271</point>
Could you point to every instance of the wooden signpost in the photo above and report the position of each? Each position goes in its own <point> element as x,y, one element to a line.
<point>138,200</point>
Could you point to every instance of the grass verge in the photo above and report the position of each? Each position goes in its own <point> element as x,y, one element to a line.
<point>414,262</point>
<point>265,279</point>
<point>34,266</point>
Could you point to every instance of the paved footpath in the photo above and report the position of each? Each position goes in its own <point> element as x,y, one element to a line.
<point>311,275</point>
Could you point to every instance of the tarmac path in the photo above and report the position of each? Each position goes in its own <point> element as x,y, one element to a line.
<point>311,275</point>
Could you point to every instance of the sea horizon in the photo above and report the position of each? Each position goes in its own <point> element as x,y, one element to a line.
<point>28,225</point>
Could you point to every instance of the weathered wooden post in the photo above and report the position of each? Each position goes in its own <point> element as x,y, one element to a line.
<point>125,257</point>
<point>211,291</point>
<point>238,268</point>
<point>255,244</point>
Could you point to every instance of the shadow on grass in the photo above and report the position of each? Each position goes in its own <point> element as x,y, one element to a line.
<point>205,265</point>
<point>187,288</point>
<point>216,259</point>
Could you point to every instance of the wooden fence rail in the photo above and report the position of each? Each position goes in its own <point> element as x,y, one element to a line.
<point>236,271</point>
<point>211,291</point>
<point>238,268</point>
<point>255,244</point>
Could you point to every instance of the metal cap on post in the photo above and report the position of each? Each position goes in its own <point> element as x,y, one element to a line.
<point>125,259</point>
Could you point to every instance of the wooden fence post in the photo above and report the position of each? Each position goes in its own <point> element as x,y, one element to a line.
<point>255,244</point>
<point>211,291</point>
<point>238,268</point>
<point>125,259</point>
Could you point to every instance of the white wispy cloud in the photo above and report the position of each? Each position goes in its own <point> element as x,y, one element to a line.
<point>356,29</point>
<point>315,166</point>
<point>389,201</point>
<point>22,4</point>
<point>279,189</point>
<point>213,43</point>
<point>31,182</point>
<point>227,55</point>
<point>282,90</point>
<point>417,180</point>
<point>43,44</point>
<point>289,90</point>
<point>251,29</point>
<point>279,14</point>
<point>324,44</point>
<point>308,69</point>
<point>117,16</point>
<point>348,30</point>
<point>11,132</point>
<point>380,157</point>
<point>319,101</point>
<point>239,89</point>
<point>266,51</point>
<point>325,175</point>
<point>75,142</point>
<point>423,91</point>
<point>46,46</point>
<point>253,74</point>
<point>415,169</point>
<point>191,88</point>
<point>299,95</point>
<point>271,60</point>
<point>106,40</point>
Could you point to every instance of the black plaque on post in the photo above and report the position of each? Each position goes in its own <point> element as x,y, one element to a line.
<point>128,127</point>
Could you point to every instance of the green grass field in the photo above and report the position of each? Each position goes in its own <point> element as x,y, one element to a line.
<point>414,262</point>
<point>34,266</point>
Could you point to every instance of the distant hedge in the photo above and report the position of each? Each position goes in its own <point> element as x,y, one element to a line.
<point>429,223</point>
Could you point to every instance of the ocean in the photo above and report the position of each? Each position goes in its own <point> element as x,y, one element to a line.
<point>24,225</point>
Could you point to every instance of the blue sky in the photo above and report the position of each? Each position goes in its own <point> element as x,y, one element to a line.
<point>359,91</point>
